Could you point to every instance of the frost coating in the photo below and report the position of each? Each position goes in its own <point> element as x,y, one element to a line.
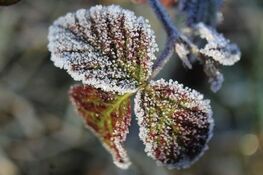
<point>217,47</point>
<point>106,47</point>
<point>175,123</point>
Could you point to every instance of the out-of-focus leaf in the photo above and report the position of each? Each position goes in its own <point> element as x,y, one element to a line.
<point>8,2</point>
<point>106,47</point>
<point>205,44</point>
<point>215,77</point>
<point>200,11</point>
<point>175,123</point>
<point>108,115</point>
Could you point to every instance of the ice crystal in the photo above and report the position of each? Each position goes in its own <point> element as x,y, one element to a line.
<point>175,123</point>
<point>106,47</point>
<point>108,115</point>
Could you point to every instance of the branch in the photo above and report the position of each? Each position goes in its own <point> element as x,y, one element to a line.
<point>172,35</point>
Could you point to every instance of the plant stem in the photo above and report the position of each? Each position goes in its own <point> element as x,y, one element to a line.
<point>172,35</point>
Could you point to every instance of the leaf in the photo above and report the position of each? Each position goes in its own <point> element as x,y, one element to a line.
<point>217,47</point>
<point>175,123</point>
<point>203,43</point>
<point>106,47</point>
<point>8,2</point>
<point>108,115</point>
<point>215,77</point>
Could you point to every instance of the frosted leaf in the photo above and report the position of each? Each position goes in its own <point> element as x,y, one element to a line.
<point>216,78</point>
<point>175,123</point>
<point>217,47</point>
<point>106,47</point>
<point>108,115</point>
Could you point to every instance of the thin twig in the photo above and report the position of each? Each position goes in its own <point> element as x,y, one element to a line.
<point>172,35</point>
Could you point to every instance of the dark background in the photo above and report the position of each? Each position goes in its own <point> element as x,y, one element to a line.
<point>40,134</point>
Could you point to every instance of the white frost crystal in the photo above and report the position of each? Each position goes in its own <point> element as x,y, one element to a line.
<point>106,47</point>
<point>218,47</point>
<point>175,123</point>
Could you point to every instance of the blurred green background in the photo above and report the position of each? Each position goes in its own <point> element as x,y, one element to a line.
<point>40,133</point>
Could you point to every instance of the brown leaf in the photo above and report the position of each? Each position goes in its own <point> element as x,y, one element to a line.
<point>106,47</point>
<point>108,115</point>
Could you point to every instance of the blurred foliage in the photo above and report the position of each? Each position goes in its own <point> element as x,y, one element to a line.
<point>8,2</point>
<point>42,135</point>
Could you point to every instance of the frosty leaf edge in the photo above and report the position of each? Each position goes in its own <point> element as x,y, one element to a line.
<point>107,115</point>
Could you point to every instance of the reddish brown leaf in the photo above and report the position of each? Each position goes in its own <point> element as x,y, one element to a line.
<point>108,115</point>
<point>175,123</point>
<point>106,47</point>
